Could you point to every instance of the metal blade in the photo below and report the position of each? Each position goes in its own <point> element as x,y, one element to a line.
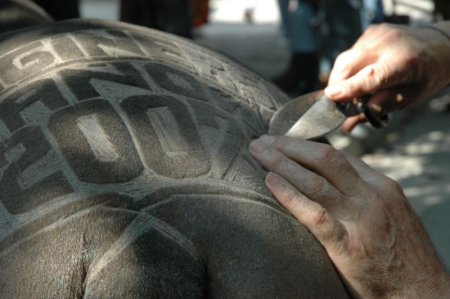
<point>290,112</point>
<point>322,118</point>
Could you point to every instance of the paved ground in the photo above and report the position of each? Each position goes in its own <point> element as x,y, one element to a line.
<point>414,150</point>
<point>417,155</point>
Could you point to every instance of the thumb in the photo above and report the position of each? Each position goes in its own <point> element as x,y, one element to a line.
<point>368,80</point>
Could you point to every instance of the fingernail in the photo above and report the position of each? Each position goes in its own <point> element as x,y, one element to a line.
<point>280,189</point>
<point>333,91</point>
<point>258,146</point>
<point>273,180</point>
<point>267,139</point>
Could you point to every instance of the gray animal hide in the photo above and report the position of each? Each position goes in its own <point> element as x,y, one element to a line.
<point>124,173</point>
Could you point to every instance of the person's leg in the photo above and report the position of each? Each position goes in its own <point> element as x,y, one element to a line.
<point>341,26</point>
<point>60,10</point>
<point>139,12</point>
<point>176,17</point>
<point>442,7</point>
<point>283,7</point>
<point>372,12</point>
<point>298,19</point>
<point>173,16</point>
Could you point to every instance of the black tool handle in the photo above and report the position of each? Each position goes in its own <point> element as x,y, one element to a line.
<point>377,120</point>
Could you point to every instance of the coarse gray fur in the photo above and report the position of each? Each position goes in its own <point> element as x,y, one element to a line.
<point>124,173</point>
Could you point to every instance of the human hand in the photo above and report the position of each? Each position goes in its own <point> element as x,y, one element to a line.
<point>362,218</point>
<point>398,65</point>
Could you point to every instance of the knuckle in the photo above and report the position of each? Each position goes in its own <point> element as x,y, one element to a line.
<point>383,188</point>
<point>339,155</point>
<point>343,58</point>
<point>280,164</point>
<point>392,185</point>
<point>327,153</point>
<point>410,57</point>
<point>280,142</point>
<point>383,29</point>
<point>318,185</point>
<point>286,145</point>
<point>376,76</point>
<point>291,199</point>
<point>372,29</point>
<point>275,139</point>
<point>277,163</point>
<point>288,196</point>
<point>388,31</point>
<point>319,216</point>
<point>395,33</point>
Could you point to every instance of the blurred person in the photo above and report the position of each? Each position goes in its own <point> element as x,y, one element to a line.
<point>60,9</point>
<point>442,8</point>
<point>173,16</point>
<point>300,26</point>
<point>362,218</point>
<point>249,11</point>
<point>16,14</point>
<point>341,26</point>
<point>372,12</point>
<point>200,12</point>
<point>316,30</point>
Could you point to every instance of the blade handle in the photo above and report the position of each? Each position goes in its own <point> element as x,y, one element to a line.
<point>359,105</point>
<point>376,120</point>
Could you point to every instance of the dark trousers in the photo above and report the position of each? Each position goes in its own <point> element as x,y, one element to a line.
<point>173,16</point>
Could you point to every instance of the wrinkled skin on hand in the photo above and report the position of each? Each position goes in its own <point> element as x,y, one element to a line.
<point>398,65</point>
<point>361,217</point>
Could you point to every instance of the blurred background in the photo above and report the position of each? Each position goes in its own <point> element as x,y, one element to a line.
<point>254,25</point>
<point>249,30</point>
